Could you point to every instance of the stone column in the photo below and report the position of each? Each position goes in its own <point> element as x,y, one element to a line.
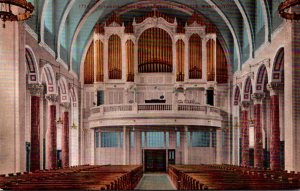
<point>36,90</point>
<point>219,146</point>
<point>51,133</point>
<point>258,142</point>
<point>275,129</point>
<point>185,146</point>
<point>65,136</point>
<point>124,145</point>
<point>245,133</point>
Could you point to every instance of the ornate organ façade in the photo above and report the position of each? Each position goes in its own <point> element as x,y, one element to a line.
<point>153,51</point>
<point>155,43</point>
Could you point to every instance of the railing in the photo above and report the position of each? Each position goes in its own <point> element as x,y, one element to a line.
<point>152,108</point>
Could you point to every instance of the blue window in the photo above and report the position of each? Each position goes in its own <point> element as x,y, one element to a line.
<point>110,139</point>
<point>143,139</point>
<point>167,139</point>
<point>213,137</point>
<point>200,139</point>
<point>132,139</point>
<point>155,139</point>
<point>177,139</point>
<point>97,139</point>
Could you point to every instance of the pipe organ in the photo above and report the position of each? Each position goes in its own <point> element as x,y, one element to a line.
<point>114,57</point>
<point>180,47</point>
<point>155,51</point>
<point>130,60</point>
<point>89,65</point>
<point>195,57</point>
<point>155,43</point>
<point>210,47</point>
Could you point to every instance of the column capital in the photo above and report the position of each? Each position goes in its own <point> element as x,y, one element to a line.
<point>274,87</point>
<point>258,97</point>
<point>66,105</point>
<point>52,98</point>
<point>36,89</point>
<point>245,105</point>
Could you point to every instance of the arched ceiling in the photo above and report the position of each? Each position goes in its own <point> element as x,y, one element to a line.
<point>66,25</point>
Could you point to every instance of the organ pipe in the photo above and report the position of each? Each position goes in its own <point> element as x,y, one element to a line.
<point>195,57</point>
<point>99,60</point>
<point>210,48</point>
<point>130,60</point>
<point>114,57</point>
<point>222,66</point>
<point>89,65</point>
<point>180,47</point>
<point>155,51</point>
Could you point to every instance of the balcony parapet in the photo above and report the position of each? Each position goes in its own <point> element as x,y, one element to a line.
<point>144,108</point>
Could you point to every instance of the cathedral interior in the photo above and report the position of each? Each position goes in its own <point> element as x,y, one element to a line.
<point>149,94</point>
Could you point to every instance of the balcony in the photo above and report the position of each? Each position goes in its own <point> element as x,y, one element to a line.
<point>155,114</point>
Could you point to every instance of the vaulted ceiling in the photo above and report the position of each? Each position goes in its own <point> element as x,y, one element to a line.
<point>66,26</point>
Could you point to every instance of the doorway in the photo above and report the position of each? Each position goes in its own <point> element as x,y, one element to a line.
<point>155,160</point>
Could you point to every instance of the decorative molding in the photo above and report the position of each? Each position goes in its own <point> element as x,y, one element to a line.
<point>66,105</point>
<point>47,48</point>
<point>274,88</point>
<point>258,97</point>
<point>36,89</point>
<point>245,105</point>
<point>52,98</point>
<point>266,62</point>
<point>30,31</point>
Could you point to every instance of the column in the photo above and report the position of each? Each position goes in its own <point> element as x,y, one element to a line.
<point>219,146</point>
<point>258,142</point>
<point>65,137</point>
<point>35,90</point>
<point>51,146</point>
<point>245,133</point>
<point>275,129</point>
<point>124,145</point>
<point>185,146</point>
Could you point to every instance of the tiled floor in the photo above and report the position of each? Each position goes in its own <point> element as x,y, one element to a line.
<point>155,182</point>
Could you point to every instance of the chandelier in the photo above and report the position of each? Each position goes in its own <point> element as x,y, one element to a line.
<point>284,7</point>
<point>15,10</point>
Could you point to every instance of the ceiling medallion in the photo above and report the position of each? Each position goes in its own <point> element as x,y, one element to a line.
<point>284,8</point>
<point>15,10</point>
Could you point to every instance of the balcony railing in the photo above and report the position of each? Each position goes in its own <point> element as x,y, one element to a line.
<point>163,108</point>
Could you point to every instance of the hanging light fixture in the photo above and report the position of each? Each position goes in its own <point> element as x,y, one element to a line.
<point>15,10</point>
<point>286,11</point>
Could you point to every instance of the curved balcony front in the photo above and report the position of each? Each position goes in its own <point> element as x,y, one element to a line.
<point>155,114</point>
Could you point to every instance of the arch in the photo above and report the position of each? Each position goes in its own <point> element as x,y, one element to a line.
<point>32,68</point>
<point>64,92</point>
<point>42,21</point>
<point>278,66</point>
<point>237,96</point>
<point>261,78</point>
<point>247,89</point>
<point>49,76</point>
<point>249,27</point>
<point>210,2</point>
<point>61,24</point>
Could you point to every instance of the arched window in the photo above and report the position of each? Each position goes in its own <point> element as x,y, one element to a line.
<point>89,65</point>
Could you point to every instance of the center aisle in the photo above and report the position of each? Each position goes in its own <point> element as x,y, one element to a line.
<point>155,182</point>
